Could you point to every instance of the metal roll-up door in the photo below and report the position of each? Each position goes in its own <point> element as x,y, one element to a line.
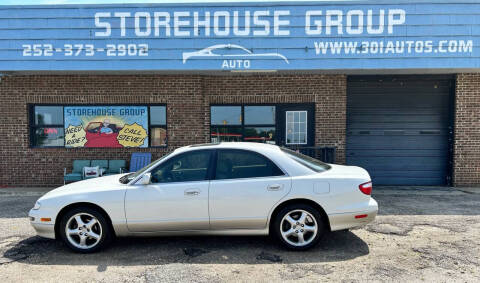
<point>399,128</point>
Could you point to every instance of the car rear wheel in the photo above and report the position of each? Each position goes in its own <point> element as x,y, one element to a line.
<point>299,226</point>
<point>85,230</point>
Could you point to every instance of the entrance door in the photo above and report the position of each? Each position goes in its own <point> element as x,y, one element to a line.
<point>399,128</point>
<point>296,125</point>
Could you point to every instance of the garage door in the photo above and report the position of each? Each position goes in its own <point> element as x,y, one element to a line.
<point>399,128</point>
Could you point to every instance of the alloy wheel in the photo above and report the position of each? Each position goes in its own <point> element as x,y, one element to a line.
<point>83,231</point>
<point>298,228</point>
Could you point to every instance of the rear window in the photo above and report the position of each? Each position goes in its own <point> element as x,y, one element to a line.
<point>307,161</point>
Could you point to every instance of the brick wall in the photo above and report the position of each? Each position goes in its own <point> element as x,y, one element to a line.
<point>467,130</point>
<point>188,114</point>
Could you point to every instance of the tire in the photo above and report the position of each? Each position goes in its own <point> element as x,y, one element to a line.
<point>289,233</point>
<point>88,237</point>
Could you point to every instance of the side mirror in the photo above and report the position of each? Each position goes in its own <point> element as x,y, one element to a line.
<point>145,179</point>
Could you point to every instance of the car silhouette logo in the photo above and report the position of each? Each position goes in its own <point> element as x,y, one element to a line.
<point>237,52</point>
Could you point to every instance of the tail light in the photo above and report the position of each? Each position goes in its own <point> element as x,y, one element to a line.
<point>366,188</point>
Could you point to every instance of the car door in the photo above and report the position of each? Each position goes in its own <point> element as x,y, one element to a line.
<point>246,187</point>
<point>177,197</point>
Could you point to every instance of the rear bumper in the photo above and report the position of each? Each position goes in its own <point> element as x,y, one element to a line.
<point>349,220</point>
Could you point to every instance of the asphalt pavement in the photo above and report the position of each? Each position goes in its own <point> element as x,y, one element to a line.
<point>421,234</point>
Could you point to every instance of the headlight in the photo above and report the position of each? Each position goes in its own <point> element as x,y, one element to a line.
<point>36,206</point>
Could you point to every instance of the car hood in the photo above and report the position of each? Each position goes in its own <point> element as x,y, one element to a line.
<point>90,185</point>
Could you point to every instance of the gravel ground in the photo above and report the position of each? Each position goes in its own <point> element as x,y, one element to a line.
<point>421,234</point>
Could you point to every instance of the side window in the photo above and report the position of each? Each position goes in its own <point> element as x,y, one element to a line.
<point>235,164</point>
<point>187,167</point>
<point>46,127</point>
<point>158,126</point>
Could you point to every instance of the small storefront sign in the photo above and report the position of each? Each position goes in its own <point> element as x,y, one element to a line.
<point>106,126</point>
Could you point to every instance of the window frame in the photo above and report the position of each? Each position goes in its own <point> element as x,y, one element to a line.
<point>210,170</point>
<point>212,166</point>
<point>32,126</point>
<point>286,126</point>
<point>215,159</point>
<point>242,125</point>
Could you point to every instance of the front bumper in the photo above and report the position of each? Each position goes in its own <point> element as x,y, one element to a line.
<point>43,229</point>
<point>344,221</point>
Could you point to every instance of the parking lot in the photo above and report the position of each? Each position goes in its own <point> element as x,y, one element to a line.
<point>421,234</point>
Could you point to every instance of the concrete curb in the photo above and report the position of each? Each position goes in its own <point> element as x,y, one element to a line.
<point>469,190</point>
<point>25,191</point>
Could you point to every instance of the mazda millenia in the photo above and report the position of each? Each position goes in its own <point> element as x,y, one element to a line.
<point>211,189</point>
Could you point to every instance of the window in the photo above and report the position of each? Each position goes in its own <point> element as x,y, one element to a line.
<point>226,115</point>
<point>187,167</point>
<point>46,127</point>
<point>296,124</point>
<point>307,161</point>
<point>243,123</point>
<point>158,126</point>
<point>235,164</point>
<point>259,134</point>
<point>127,178</point>
<point>226,123</point>
<point>74,126</point>
<point>259,115</point>
<point>226,134</point>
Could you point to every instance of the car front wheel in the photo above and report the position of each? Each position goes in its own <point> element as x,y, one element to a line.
<point>299,226</point>
<point>84,230</point>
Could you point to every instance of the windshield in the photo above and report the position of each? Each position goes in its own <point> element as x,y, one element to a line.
<point>127,178</point>
<point>307,161</point>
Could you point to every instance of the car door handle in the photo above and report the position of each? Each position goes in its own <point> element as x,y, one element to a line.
<point>192,192</point>
<point>274,187</point>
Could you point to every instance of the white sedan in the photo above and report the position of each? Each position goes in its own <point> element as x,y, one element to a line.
<point>211,189</point>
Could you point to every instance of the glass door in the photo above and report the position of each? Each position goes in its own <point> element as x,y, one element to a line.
<point>295,125</point>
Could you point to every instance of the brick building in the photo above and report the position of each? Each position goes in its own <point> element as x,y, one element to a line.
<point>409,117</point>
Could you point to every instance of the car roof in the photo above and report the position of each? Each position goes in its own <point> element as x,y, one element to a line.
<point>231,145</point>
